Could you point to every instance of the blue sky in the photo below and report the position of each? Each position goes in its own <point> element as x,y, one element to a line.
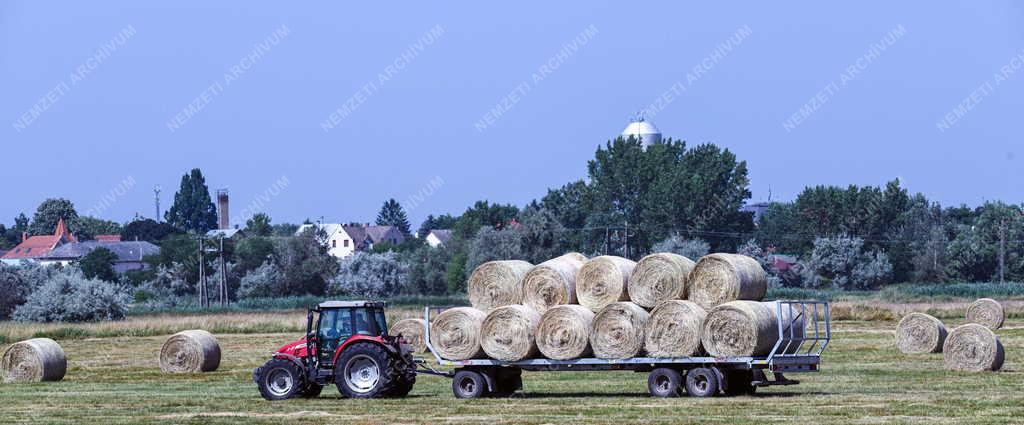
<point>89,93</point>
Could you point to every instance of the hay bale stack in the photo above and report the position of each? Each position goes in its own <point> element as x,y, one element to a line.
<point>720,278</point>
<point>507,333</point>
<point>576,256</point>
<point>602,281</point>
<point>455,333</point>
<point>746,328</point>
<point>973,348</point>
<point>920,333</point>
<point>659,277</point>
<point>551,283</point>
<point>618,331</point>
<point>189,352</point>
<point>987,312</point>
<point>564,332</point>
<point>412,331</point>
<point>33,360</point>
<point>497,283</point>
<point>674,329</point>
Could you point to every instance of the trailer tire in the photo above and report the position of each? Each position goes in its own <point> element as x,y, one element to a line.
<point>278,379</point>
<point>469,384</point>
<point>703,382</point>
<point>665,382</point>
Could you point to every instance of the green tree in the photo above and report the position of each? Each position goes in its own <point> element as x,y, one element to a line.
<point>541,235</point>
<point>392,214</point>
<point>86,227</point>
<point>258,225</point>
<point>148,230</point>
<point>49,213</point>
<point>99,264</point>
<point>569,205</point>
<point>427,270</point>
<point>252,252</point>
<point>304,263</point>
<point>445,221</point>
<point>284,229</point>
<point>192,210</point>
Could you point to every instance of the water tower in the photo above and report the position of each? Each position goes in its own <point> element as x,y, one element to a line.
<point>643,130</point>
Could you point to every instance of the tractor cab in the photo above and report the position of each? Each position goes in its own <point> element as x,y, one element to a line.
<point>331,324</point>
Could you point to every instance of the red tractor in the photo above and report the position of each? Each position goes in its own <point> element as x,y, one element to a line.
<point>347,344</point>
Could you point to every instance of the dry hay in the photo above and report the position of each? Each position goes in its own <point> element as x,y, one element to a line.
<point>189,352</point>
<point>973,348</point>
<point>618,331</point>
<point>34,360</point>
<point>720,278</point>
<point>412,331</point>
<point>551,283</point>
<point>987,312</point>
<point>673,329</point>
<point>602,281</point>
<point>575,256</point>
<point>750,328</point>
<point>507,333</point>
<point>564,332</point>
<point>659,277</point>
<point>920,333</point>
<point>455,333</point>
<point>497,283</point>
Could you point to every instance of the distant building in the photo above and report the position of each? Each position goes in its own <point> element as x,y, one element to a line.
<point>225,233</point>
<point>129,254</point>
<point>339,243</point>
<point>32,247</point>
<point>344,240</point>
<point>108,238</point>
<point>438,237</point>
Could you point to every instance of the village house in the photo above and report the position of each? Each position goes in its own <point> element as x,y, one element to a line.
<point>438,237</point>
<point>344,240</point>
<point>129,253</point>
<point>32,247</point>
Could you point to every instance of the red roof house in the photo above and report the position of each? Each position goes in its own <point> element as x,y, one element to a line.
<point>37,246</point>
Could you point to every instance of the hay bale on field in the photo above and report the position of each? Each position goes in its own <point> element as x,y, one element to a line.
<point>920,333</point>
<point>973,348</point>
<point>189,352</point>
<point>618,331</point>
<point>564,332</point>
<point>987,312</point>
<point>575,256</point>
<point>602,281</point>
<point>455,333</point>
<point>33,360</point>
<point>674,329</point>
<point>412,331</point>
<point>497,283</point>
<point>551,283</point>
<point>720,278</point>
<point>507,333</point>
<point>749,328</point>
<point>659,277</point>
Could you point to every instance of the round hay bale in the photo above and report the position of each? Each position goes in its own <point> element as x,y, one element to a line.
<point>920,333</point>
<point>551,283</point>
<point>618,331</point>
<point>659,277</point>
<point>189,352</point>
<point>987,312</point>
<point>602,281</point>
<point>455,333</point>
<point>34,360</point>
<point>564,332</point>
<point>741,328</point>
<point>507,333</point>
<point>497,283</point>
<point>575,256</point>
<point>720,278</point>
<point>973,348</point>
<point>412,331</point>
<point>673,329</point>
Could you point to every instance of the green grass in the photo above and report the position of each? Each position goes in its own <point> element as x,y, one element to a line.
<point>864,379</point>
<point>908,292</point>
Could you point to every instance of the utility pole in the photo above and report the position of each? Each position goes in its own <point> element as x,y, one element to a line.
<point>223,292</point>
<point>156,201</point>
<point>1002,250</point>
<point>202,277</point>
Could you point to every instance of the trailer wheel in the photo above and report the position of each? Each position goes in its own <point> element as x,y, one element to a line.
<point>702,382</point>
<point>469,384</point>
<point>739,382</point>
<point>665,382</point>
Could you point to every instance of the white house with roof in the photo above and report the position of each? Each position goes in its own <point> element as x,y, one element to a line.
<point>438,237</point>
<point>339,243</point>
<point>344,240</point>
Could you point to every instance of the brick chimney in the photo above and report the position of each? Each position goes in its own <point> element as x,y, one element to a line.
<point>223,220</point>
<point>24,236</point>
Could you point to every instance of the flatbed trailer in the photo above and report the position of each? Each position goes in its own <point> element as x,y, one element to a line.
<point>803,333</point>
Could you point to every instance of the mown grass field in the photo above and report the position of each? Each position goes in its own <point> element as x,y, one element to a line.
<point>864,379</point>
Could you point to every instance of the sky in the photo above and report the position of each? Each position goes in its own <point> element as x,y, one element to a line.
<point>327,109</point>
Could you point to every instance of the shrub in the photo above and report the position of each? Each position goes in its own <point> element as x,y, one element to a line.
<point>18,282</point>
<point>99,264</point>
<point>426,270</point>
<point>263,281</point>
<point>491,244</point>
<point>367,275</point>
<point>841,262</point>
<point>689,248</point>
<point>69,296</point>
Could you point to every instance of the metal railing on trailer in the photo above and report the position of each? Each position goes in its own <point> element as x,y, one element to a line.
<point>804,330</point>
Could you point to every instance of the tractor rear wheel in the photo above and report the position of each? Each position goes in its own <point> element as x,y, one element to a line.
<point>279,379</point>
<point>367,370</point>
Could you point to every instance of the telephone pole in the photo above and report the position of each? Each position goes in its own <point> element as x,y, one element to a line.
<point>223,284</point>
<point>1002,250</point>
<point>202,277</point>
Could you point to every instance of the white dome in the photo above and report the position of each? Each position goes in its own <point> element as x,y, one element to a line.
<point>643,130</point>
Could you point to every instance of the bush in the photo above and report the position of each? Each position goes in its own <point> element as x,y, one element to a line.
<point>689,248</point>
<point>426,270</point>
<point>841,262</point>
<point>491,244</point>
<point>69,296</point>
<point>99,264</point>
<point>18,282</point>
<point>367,275</point>
<point>262,281</point>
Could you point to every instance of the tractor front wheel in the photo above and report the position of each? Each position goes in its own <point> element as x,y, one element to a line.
<point>366,370</point>
<point>278,379</point>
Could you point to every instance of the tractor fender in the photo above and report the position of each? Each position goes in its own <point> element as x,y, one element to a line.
<point>291,358</point>
<point>361,338</point>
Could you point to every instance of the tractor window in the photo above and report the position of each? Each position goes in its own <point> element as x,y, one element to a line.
<point>364,322</point>
<point>335,327</point>
<point>382,322</point>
